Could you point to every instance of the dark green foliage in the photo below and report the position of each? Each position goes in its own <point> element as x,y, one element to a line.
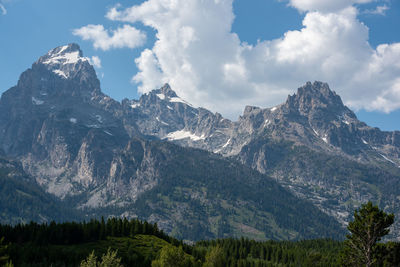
<point>71,242</point>
<point>215,257</point>
<point>392,255</point>
<point>170,256</point>
<point>69,233</point>
<point>244,252</point>
<point>109,259</point>
<point>369,226</point>
<point>68,244</point>
<point>3,252</point>
<point>90,261</point>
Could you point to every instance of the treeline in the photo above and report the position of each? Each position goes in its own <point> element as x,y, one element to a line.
<point>139,243</point>
<point>68,243</point>
<point>72,233</point>
<point>245,252</point>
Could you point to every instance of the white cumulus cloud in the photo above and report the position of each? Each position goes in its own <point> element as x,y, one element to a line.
<point>95,61</point>
<point>126,36</point>
<point>3,9</point>
<point>207,64</point>
<point>325,5</point>
<point>379,10</point>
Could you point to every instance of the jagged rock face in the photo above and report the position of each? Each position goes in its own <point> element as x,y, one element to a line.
<point>91,150</point>
<point>317,108</point>
<point>57,121</point>
<point>314,121</point>
<point>315,117</point>
<point>22,200</point>
<point>162,114</point>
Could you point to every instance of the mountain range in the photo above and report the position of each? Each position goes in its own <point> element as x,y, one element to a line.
<point>293,171</point>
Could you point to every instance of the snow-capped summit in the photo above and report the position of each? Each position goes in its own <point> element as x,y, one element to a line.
<point>65,49</point>
<point>64,60</point>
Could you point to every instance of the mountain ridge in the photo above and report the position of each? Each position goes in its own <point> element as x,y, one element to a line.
<point>98,156</point>
<point>313,120</point>
<point>102,155</point>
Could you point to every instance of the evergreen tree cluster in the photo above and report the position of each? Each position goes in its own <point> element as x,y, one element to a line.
<point>71,233</point>
<point>138,243</point>
<point>109,259</point>
<point>250,253</point>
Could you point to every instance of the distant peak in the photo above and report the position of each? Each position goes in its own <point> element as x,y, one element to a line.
<point>167,91</point>
<point>64,60</point>
<point>67,54</point>
<point>250,109</point>
<point>62,50</point>
<point>319,88</point>
<point>318,91</point>
<point>316,95</point>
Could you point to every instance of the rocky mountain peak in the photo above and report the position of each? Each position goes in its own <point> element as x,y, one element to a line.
<point>167,91</point>
<point>66,61</point>
<point>248,110</point>
<point>316,96</point>
<point>163,95</point>
<point>65,49</point>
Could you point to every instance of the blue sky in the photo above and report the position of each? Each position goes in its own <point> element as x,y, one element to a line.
<point>261,49</point>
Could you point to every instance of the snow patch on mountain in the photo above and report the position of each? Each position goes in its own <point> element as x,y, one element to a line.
<point>161,121</point>
<point>161,96</point>
<point>93,126</point>
<point>36,101</point>
<point>107,132</point>
<point>63,60</point>
<point>67,58</point>
<point>227,143</point>
<point>179,100</point>
<point>182,134</point>
<point>135,105</point>
<point>61,73</point>
<point>386,158</point>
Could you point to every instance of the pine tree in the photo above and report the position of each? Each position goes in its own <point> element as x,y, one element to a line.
<point>109,259</point>
<point>3,256</point>
<point>102,233</point>
<point>170,256</point>
<point>90,261</point>
<point>369,226</point>
<point>215,257</point>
